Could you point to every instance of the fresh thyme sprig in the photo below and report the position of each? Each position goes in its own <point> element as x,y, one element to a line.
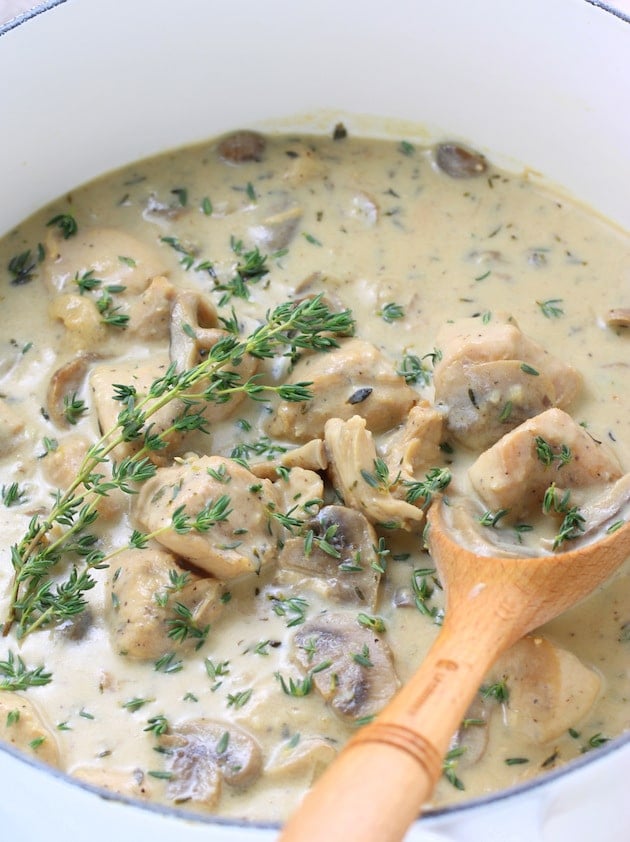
<point>37,599</point>
<point>14,674</point>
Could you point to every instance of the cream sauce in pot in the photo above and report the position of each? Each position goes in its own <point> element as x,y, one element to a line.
<point>407,243</point>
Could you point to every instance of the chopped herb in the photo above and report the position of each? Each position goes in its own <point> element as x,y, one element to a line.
<point>527,369</point>
<point>206,206</point>
<point>550,308</point>
<point>182,195</point>
<point>413,370</point>
<point>516,761</point>
<point>66,224</point>
<point>135,704</point>
<point>363,657</point>
<point>311,239</point>
<point>157,725</point>
<point>436,479</point>
<point>391,312</point>
<point>238,700</point>
<point>406,148</point>
<point>498,691</point>
<point>15,675</point>
<point>492,519</point>
<point>168,663</point>
<point>449,766</point>
<point>73,408</point>
<point>293,607</point>
<point>375,624</point>
<point>547,454</point>
<point>13,495</point>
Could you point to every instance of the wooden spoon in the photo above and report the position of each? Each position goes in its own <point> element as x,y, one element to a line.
<point>375,788</point>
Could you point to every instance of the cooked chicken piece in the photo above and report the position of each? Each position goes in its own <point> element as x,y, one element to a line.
<point>64,385</point>
<point>354,379</point>
<point>360,679</point>
<point>235,508</point>
<point>156,607</point>
<point>337,555</point>
<point>305,761</point>
<point>194,330</point>
<point>549,689</point>
<point>352,460</point>
<point>11,427</point>
<point>133,784</point>
<point>300,493</point>
<point>80,317</point>
<point>491,378</point>
<point>311,456</point>
<point>61,466</point>
<point>203,753</point>
<point>22,727</point>
<point>150,312</point>
<point>112,256</point>
<point>141,376</point>
<point>511,474</point>
<point>415,447</point>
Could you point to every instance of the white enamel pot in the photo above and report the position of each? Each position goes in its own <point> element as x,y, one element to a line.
<point>87,85</point>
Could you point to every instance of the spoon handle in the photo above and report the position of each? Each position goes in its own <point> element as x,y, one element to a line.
<point>375,788</point>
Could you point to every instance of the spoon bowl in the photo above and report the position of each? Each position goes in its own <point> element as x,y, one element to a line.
<point>376,787</point>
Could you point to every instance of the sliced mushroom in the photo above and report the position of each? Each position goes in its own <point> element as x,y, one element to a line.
<point>154,606</point>
<point>491,377</point>
<point>618,317</point>
<point>550,690</point>
<point>65,383</point>
<point>360,678</point>
<point>352,460</point>
<point>194,331</point>
<point>354,379</point>
<point>242,146</point>
<point>339,554</point>
<point>203,753</point>
<point>471,738</point>
<point>11,427</point>
<point>240,541</point>
<point>22,726</point>
<point>459,162</point>
<point>276,221</point>
<point>510,475</point>
<point>305,761</point>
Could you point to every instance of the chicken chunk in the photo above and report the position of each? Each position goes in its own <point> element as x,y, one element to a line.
<point>155,606</point>
<point>337,556</point>
<point>352,460</point>
<point>515,473</point>
<point>550,690</point>
<point>491,378</point>
<point>354,379</point>
<point>415,447</point>
<point>359,678</point>
<point>112,256</point>
<point>301,493</point>
<point>22,727</point>
<point>202,753</point>
<point>237,532</point>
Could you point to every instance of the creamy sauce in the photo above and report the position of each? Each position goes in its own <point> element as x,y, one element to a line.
<point>380,229</point>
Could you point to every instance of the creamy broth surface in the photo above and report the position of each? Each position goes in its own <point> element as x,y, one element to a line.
<point>408,246</point>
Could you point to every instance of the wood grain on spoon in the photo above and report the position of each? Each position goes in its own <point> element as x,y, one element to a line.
<point>376,787</point>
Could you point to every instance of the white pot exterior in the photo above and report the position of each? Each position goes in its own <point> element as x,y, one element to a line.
<point>91,84</point>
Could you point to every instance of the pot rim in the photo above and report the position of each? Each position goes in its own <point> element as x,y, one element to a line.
<point>456,810</point>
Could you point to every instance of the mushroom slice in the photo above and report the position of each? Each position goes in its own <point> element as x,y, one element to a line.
<point>415,447</point>
<point>337,550</point>
<point>354,379</point>
<point>276,222</point>
<point>238,534</point>
<point>114,258</point>
<point>459,162</point>
<point>352,456</point>
<point>202,753</point>
<point>22,726</point>
<point>351,667</point>
<point>511,475</point>
<point>11,427</point>
<point>304,761</point>
<point>471,738</point>
<point>194,331</point>
<point>618,317</point>
<point>241,147</point>
<point>156,606</point>
<point>65,383</point>
<point>550,690</point>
